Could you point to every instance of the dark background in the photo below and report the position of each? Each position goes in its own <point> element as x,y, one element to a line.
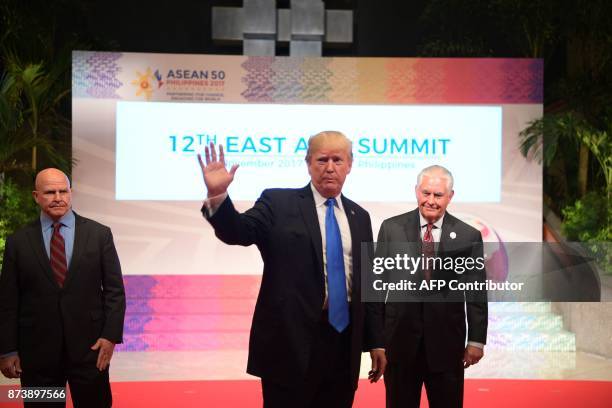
<point>573,37</point>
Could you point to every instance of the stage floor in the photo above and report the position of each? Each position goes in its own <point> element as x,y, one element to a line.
<point>231,365</point>
<point>218,379</point>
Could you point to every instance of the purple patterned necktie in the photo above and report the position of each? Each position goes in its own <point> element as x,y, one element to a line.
<point>428,249</point>
<point>58,255</point>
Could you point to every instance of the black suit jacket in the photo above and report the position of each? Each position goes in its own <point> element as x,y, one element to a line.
<point>440,324</point>
<point>37,317</point>
<point>283,224</point>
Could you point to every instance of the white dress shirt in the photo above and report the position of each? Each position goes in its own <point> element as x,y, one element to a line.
<point>345,234</point>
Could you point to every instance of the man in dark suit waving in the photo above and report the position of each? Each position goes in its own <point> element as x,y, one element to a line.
<point>62,301</point>
<point>309,323</point>
<point>426,340</point>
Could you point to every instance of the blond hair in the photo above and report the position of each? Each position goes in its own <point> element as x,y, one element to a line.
<point>328,137</point>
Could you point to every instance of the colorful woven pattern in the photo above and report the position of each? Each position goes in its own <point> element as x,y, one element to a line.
<point>94,74</point>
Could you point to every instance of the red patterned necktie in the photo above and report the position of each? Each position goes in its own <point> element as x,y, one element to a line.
<point>428,250</point>
<point>58,255</point>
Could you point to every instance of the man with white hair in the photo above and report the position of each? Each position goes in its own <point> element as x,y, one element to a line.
<point>425,340</point>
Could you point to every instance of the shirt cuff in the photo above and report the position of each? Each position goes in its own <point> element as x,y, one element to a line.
<point>476,344</point>
<point>212,204</point>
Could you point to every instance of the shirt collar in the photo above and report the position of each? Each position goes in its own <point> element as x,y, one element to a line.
<point>320,200</point>
<point>424,222</point>
<point>68,220</point>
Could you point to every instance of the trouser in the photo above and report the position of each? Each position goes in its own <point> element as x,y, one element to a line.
<point>89,387</point>
<point>328,381</point>
<point>404,381</point>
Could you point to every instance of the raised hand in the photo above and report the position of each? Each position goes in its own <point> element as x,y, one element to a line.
<point>216,176</point>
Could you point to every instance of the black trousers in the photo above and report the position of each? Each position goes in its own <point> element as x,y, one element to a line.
<point>89,387</point>
<point>404,381</point>
<point>328,381</point>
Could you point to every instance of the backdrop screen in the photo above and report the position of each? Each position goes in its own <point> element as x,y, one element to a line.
<point>139,121</point>
<point>391,144</point>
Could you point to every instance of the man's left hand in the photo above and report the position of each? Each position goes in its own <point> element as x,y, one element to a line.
<point>10,366</point>
<point>105,354</point>
<point>472,355</point>
<point>379,364</point>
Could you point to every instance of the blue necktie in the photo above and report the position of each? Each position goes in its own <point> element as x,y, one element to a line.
<point>336,279</point>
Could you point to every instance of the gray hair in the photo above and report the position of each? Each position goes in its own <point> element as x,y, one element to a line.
<point>428,171</point>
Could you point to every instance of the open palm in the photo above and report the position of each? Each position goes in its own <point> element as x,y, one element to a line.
<point>216,176</point>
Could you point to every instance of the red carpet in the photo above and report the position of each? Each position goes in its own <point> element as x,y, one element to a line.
<point>478,393</point>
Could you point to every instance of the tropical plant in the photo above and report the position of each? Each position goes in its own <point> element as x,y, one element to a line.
<point>29,118</point>
<point>34,121</point>
<point>543,138</point>
<point>35,60</point>
<point>17,208</point>
<point>30,126</point>
<point>588,220</point>
<point>584,220</point>
<point>599,143</point>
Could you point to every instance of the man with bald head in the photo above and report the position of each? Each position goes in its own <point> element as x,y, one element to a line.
<point>62,301</point>
<point>309,323</point>
<point>426,340</point>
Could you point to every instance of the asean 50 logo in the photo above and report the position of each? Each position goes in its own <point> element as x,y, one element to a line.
<point>147,83</point>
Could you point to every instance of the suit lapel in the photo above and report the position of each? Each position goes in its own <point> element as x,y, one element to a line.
<point>81,235</point>
<point>448,226</point>
<point>413,231</point>
<point>309,213</point>
<point>35,238</point>
<point>353,223</point>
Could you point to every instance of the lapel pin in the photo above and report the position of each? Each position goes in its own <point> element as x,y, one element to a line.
<point>352,212</point>
<point>453,235</point>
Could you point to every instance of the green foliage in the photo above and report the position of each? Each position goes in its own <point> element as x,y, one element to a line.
<point>555,140</point>
<point>30,122</point>
<point>541,139</point>
<point>17,208</point>
<point>584,220</point>
<point>600,145</point>
<point>588,221</point>
<point>34,91</point>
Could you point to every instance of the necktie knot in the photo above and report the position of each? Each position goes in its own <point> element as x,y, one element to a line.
<point>57,226</point>
<point>331,202</point>
<point>428,235</point>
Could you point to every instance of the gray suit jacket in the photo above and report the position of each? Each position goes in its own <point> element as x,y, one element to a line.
<point>441,325</point>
